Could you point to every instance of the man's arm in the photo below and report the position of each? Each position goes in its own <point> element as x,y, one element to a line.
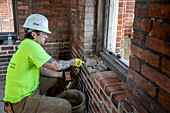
<point>58,65</point>
<point>49,73</point>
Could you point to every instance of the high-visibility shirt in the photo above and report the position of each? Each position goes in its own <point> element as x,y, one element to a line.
<point>23,71</point>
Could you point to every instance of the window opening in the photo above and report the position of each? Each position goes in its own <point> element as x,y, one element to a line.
<point>6,16</point>
<point>119,29</point>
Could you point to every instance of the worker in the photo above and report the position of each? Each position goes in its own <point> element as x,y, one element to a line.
<point>25,89</point>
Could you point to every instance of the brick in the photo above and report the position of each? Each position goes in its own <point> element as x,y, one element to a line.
<point>146,85</point>
<point>165,65</point>
<point>116,98</point>
<point>22,7</point>
<point>142,24</point>
<point>149,103</point>
<point>131,87</point>
<point>135,103</point>
<point>44,11</point>
<point>109,80</point>
<point>164,99</point>
<point>98,95</point>
<point>159,11</point>
<point>145,55</point>
<point>114,88</point>
<point>141,10</point>
<point>161,29</point>
<point>156,77</point>
<point>137,38</point>
<point>162,46</point>
<point>134,63</point>
<point>7,48</point>
<point>101,108</point>
<point>3,53</point>
<point>105,74</point>
<point>96,84</point>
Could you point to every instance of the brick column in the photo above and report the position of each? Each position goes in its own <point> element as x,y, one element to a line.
<point>82,19</point>
<point>148,83</point>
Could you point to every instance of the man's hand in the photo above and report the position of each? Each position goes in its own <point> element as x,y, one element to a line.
<point>78,62</point>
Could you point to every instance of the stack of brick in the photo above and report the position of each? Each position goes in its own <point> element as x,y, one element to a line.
<point>104,90</point>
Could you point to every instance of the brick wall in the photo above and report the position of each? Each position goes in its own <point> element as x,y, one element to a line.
<point>57,12</point>
<point>82,28</point>
<point>148,83</point>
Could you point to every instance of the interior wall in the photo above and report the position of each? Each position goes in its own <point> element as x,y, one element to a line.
<point>57,13</point>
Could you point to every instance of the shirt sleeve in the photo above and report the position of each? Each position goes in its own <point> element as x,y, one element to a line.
<point>39,56</point>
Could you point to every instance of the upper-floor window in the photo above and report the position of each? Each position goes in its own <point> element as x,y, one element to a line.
<point>7,19</point>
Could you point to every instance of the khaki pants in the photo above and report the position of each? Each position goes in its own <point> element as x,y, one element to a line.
<point>38,103</point>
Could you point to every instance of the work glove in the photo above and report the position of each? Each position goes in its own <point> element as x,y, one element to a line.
<point>78,62</point>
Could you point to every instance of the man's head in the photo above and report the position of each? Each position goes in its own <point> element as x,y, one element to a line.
<point>36,27</point>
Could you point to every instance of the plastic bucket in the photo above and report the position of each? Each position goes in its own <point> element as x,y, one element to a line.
<point>76,98</point>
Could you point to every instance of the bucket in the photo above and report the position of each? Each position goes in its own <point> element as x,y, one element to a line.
<point>76,99</point>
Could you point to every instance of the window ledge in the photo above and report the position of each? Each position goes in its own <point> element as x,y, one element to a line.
<point>118,67</point>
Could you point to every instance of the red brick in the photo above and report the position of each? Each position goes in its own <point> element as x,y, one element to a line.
<point>118,97</point>
<point>161,29</point>
<point>142,24</point>
<point>145,55</point>
<point>7,48</point>
<point>137,38</point>
<point>166,65</point>
<point>164,99</point>
<point>101,108</point>
<point>114,88</point>
<point>141,10</point>
<point>159,11</point>
<point>109,80</point>
<point>22,7</point>
<point>134,63</point>
<point>161,45</point>
<point>134,103</point>
<point>149,103</point>
<point>104,74</point>
<point>130,3</point>
<point>96,84</point>
<point>131,87</point>
<point>120,16</point>
<point>156,77</point>
<point>3,53</point>
<point>89,9</point>
<point>146,85</point>
<point>125,107</point>
<point>44,11</point>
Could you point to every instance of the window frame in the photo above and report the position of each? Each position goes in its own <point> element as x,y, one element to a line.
<point>116,65</point>
<point>4,35</point>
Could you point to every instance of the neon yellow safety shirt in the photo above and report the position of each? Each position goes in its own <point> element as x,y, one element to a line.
<point>23,71</point>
